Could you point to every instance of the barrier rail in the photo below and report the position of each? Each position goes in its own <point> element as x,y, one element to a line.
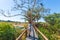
<point>45,38</point>
<point>25,33</point>
<point>21,35</point>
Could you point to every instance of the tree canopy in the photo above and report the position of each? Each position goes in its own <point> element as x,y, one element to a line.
<point>28,8</point>
<point>53,18</point>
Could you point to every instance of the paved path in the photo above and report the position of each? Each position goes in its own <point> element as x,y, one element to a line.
<point>33,35</point>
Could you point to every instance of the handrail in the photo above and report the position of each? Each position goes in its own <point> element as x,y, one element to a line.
<point>45,38</point>
<point>19,38</point>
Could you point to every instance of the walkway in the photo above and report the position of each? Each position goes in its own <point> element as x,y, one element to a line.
<point>33,35</point>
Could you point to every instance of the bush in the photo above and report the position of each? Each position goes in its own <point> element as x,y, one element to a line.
<point>51,32</point>
<point>7,32</point>
<point>45,32</point>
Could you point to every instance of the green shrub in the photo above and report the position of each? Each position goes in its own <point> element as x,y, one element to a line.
<point>7,32</point>
<point>51,32</point>
<point>45,32</point>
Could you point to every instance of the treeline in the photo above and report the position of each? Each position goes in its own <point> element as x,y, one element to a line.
<point>8,21</point>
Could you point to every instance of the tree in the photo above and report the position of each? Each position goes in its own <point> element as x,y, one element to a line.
<point>30,9</point>
<point>54,21</point>
<point>53,18</point>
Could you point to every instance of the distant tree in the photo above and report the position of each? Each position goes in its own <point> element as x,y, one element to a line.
<point>53,18</point>
<point>54,21</point>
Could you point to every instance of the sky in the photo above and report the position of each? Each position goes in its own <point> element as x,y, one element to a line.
<point>6,5</point>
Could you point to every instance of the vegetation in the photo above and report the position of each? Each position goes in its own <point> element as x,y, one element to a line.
<point>53,30</point>
<point>33,11</point>
<point>8,32</point>
<point>52,18</point>
<point>54,21</point>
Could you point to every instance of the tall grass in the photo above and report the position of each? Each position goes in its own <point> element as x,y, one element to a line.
<point>7,31</point>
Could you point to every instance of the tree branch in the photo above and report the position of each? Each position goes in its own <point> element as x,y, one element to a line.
<point>2,12</point>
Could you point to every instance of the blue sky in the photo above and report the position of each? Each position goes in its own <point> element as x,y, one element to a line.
<point>6,5</point>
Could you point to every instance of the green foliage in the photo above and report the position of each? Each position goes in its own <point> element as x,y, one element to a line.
<point>40,37</point>
<point>7,32</point>
<point>53,30</point>
<point>53,18</point>
<point>45,31</point>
